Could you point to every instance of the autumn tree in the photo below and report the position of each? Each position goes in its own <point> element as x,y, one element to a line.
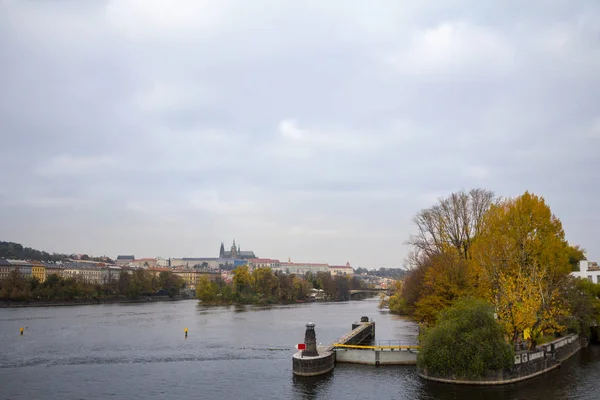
<point>521,254</point>
<point>447,277</point>
<point>583,298</point>
<point>452,223</point>
<point>441,253</point>
<point>15,287</point>
<point>264,282</point>
<point>170,282</point>
<point>206,290</point>
<point>575,254</point>
<point>300,287</point>
<point>242,281</point>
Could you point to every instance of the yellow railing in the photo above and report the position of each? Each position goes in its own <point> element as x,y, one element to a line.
<point>355,346</point>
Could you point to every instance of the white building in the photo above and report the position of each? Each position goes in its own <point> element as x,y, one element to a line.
<point>86,273</point>
<point>143,263</point>
<point>588,270</point>
<point>24,267</point>
<point>341,269</point>
<point>110,273</point>
<point>302,268</point>
<point>189,262</point>
<point>263,263</point>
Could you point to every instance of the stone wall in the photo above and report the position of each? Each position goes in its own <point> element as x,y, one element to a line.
<point>527,364</point>
<point>312,366</point>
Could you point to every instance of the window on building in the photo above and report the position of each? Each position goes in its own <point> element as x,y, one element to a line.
<point>597,278</point>
<point>590,278</point>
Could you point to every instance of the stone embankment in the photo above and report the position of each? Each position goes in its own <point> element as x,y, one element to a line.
<point>527,364</point>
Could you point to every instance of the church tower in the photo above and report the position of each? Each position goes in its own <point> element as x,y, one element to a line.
<point>222,251</point>
<point>233,250</point>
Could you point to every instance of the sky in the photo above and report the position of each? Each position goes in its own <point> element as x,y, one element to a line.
<point>307,130</point>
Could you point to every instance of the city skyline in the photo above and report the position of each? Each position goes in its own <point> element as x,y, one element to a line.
<point>314,132</point>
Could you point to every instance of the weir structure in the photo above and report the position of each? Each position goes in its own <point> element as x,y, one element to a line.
<point>356,347</point>
<point>359,347</point>
<point>311,361</point>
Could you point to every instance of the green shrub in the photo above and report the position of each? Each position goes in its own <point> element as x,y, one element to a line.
<point>465,343</point>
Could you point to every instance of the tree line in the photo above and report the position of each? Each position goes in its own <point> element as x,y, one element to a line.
<point>13,250</point>
<point>262,285</point>
<point>511,253</point>
<point>135,285</point>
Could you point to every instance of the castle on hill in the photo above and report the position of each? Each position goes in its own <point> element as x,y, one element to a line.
<point>235,253</point>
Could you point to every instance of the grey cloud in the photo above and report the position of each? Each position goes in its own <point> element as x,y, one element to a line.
<point>311,131</point>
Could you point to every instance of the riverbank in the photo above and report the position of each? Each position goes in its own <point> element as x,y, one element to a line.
<point>88,302</point>
<point>270,302</point>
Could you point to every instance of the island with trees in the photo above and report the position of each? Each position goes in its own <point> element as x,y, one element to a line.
<point>489,276</point>
<point>263,286</point>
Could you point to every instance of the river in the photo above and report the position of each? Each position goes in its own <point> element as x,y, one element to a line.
<point>133,351</point>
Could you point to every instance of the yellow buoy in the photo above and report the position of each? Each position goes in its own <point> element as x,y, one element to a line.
<point>21,330</point>
<point>186,331</point>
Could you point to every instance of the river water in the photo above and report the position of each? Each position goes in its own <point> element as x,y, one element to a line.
<point>134,351</point>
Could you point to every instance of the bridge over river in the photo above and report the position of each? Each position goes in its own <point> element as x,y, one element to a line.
<point>356,292</point>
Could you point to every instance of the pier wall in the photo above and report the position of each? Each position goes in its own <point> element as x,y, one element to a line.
<point>313,366</point>
<point>527,364</point>
<point>375,356</point>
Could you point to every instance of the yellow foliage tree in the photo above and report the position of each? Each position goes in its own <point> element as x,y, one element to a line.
<point>521,259</point>
<point>242,280</point>
<point>447,278</point>
<point>264,282</point>
<point>441,254</point>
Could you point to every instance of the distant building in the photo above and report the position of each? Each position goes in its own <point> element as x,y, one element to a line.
<point>302,268</point>
<point>125,260</point>
<point>143,262</point>
<point>5,268</point>
<point>162,262</point>
<point>201,262</point>
<point>23,267</point>
<point>38,270</point>
<point>264,262</point>
<point>110,273</point>
<point>588,270</point>
<point>157,270</point>
<point>235,252</point>
<point>191,276</point>
<point>54,269</point>
<point>87,273</point>
<point>341,269</point>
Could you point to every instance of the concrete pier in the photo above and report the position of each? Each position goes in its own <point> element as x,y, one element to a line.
<point>376,355</point>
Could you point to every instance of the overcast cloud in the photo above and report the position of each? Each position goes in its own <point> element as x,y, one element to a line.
<point>305,129</point>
